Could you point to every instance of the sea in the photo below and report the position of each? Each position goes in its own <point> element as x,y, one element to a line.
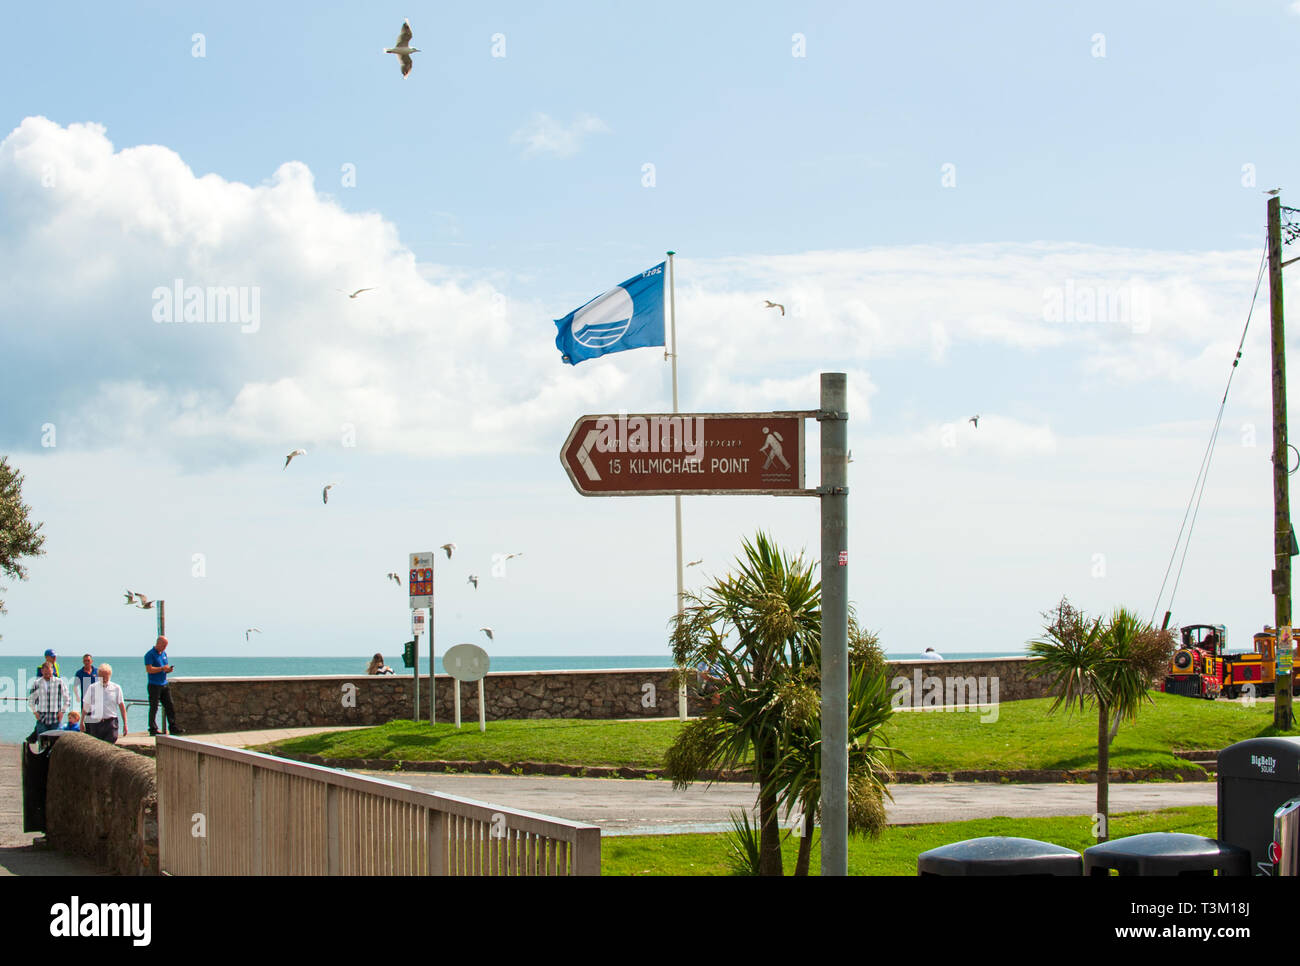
<point>17,672</point>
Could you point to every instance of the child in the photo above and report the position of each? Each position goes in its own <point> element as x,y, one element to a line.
<point>74,721</point>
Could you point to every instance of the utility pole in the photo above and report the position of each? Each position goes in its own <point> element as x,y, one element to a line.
<point>835,623</point>
<point>1282,716</point>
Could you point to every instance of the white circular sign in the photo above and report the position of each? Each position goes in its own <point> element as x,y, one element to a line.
<point>602,321</point>
<point>466,662</point>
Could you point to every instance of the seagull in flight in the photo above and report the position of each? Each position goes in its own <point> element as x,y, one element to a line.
<point>403,48</point>
<point>145,602</point>
<point>130,597</point>
<point>356,293</point>
<point>395,579</point>
<point>511,556</point>
<point>694,562</point>
<point>450,548</point>
<point>975,419</point>
<point>251,630</point>
<point>768,304</point>
<point>325,493</point>
<point>473,579</point>
<point>289,459</point>
<point>488,632</point>
<point>849,458</point>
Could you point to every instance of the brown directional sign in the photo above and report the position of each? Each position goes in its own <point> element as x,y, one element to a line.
<point>686,453</point>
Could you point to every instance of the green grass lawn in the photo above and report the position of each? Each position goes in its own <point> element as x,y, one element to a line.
<point>1024,735</point>
<point>895,852</point>
<point>640,744</point>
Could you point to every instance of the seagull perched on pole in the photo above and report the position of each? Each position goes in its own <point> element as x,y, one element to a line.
<point>395,579</point>
<point>768,304</point>
<point>450,548</point>
<point>403,48</point>
<point>325,493</point>
<point>488,632</point>
<point>289,459</point>
<point>473,579</point>
<point>251,630</point>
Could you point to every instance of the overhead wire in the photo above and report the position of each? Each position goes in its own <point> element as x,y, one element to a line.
<point>1203,474</point>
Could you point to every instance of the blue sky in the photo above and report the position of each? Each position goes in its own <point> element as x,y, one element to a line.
<point>495,193</point>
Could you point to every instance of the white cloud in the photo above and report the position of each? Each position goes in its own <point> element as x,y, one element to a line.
<point>432,361</point>
<point>543,135</point>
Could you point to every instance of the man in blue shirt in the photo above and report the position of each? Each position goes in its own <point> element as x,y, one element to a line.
<point>86,675</point>
<point>155,663</point>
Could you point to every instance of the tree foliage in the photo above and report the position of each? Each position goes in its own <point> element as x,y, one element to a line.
<point>19,537</point>
<point>759,631</point>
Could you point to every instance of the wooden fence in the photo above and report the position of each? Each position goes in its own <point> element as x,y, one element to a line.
<point>226,811</point>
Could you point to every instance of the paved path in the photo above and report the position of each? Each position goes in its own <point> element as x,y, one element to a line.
<point>640,807</point>
<point>138,740</point>
<point>21,852</point>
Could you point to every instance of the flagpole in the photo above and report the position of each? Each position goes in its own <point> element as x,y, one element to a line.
<point>677,500</point>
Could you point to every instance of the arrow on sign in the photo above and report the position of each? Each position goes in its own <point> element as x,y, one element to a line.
<point>584,455</point>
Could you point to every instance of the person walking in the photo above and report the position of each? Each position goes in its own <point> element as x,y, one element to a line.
<point>155,663</point>
<point>47,698</point>
<point>86,676</point>
<point>104,708</point>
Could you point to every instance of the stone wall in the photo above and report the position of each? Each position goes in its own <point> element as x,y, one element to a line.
<point>238,704</point>
<point>241,704</point>
<point>101,801</point>
<point>972,678</point>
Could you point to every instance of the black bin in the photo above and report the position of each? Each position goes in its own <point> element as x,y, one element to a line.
<point>999,855</point>
<point>1256,776</point>
<point>1166,853</point>
<point>36,774</point>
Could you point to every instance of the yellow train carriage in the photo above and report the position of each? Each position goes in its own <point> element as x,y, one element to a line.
<point>1256,670</point>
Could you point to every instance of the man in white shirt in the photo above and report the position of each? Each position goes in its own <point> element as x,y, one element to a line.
<point>931,655</point>
<point>103,708</point>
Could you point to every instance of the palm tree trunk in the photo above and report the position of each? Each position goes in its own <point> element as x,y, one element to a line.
<point>769,834</point>
<point>805,845</point>
<point>1103,770</point>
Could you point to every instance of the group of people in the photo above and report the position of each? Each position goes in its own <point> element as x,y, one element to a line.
<point>100,708</point>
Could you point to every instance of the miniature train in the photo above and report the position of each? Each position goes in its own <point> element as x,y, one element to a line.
<point>1202,667</point>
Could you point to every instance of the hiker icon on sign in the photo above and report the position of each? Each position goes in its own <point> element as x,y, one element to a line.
<point>772,447</point>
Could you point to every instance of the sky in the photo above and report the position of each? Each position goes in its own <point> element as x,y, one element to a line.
<point>1049,216</point>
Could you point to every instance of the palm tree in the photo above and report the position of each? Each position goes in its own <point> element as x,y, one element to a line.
<point>757,629</point>
<point>798,775</point>
<point>1106,666</point>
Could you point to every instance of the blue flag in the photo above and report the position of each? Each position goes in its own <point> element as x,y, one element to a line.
<point>629,316</point>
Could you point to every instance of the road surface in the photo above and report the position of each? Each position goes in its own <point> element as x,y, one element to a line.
<point>648,806</point>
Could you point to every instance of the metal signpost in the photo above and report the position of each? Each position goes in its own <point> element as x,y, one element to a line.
<point>686,454</point>
<point>419,589</point>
